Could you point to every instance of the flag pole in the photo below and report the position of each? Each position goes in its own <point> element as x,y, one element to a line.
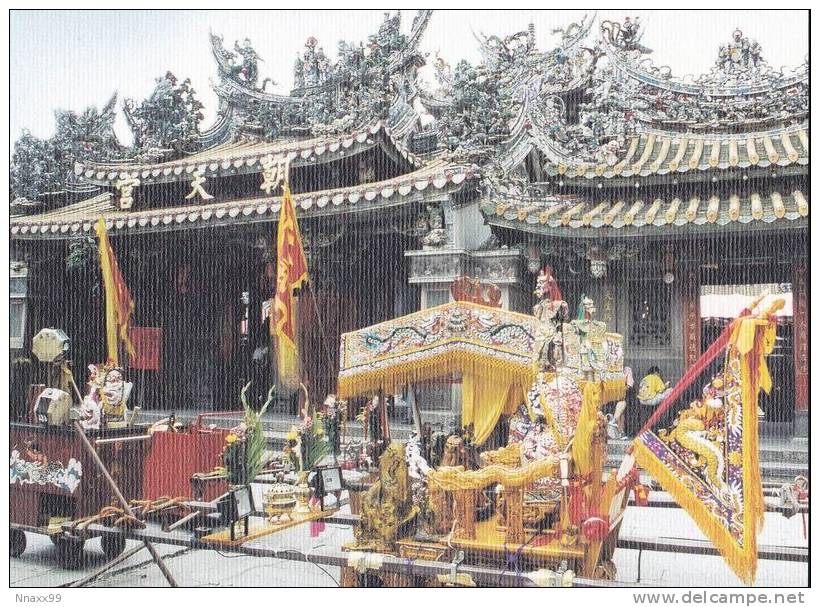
<point>323,336</point>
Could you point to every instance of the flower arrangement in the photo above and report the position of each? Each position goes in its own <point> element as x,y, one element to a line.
<point>333,416</point>
<point>308,443</point>
<point>370,418</point>
<point>242,456</point>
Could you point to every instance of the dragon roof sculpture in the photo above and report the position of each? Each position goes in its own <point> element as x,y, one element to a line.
<point>367,81</point>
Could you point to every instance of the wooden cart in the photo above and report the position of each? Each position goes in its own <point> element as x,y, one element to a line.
<point>53,478</point>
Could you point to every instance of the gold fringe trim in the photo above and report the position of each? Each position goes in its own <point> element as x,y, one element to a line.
<point>742,560</point>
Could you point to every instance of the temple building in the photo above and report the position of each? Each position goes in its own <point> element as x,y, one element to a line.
<point>645,191</point>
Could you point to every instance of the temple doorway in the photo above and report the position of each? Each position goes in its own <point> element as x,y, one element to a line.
<point>719,304</point>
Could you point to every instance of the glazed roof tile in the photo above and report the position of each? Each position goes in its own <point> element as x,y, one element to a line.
<point>579,218</point>
<point>665,153</point>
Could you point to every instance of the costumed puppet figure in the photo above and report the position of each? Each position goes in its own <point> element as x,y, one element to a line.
<point>585,341</point>
<point>551,310</point>
<point>547,422</point>
<point>106,398</point>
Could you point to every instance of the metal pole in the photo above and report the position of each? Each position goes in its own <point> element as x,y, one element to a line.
<point>124,439</point>
<point>93,576</point>
<point>121,499</point>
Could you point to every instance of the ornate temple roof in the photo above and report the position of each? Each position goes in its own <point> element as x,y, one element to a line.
<point>571,216</point>
<point>633,150</point>
<point>328,95</point>
<point>70,221</point>
<point>597,106</point>
<point>244,157</point>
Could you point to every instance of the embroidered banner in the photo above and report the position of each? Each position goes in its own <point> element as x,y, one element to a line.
<point>708,459</point>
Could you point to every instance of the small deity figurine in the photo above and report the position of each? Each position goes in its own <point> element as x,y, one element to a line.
<point>551,310</point>
<point>106,398</point>
<point>90,414</point>
<point>437,234</point>
<point>585,340</point>
<point>586,309</point>
<point>113,395</point>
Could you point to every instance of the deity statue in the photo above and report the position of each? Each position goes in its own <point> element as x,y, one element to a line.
<point>298,73</point>
<point>437,233</point>
<point>248,68</point>
<point>387,507</point>
<point>313,68</point>
<point>742,54</point>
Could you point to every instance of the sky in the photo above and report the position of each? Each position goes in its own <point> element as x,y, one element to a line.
<point>73,59</point>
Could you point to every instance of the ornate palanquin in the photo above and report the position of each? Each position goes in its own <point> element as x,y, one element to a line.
<point>490,350</point>
<point>455,337</point>
<point>548,482</point>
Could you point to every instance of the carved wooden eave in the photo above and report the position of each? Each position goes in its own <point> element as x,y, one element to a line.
<point>443,265</point>
<point>242,158</point>
<point>437,179</point>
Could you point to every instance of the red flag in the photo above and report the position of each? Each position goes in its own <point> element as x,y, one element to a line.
<point>291,273</point>
<point>148,348</point>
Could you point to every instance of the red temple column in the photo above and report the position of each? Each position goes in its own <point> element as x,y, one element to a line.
<point>800,301</point>
<point>691,315</point>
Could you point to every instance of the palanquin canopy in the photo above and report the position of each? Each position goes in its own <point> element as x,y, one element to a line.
<point>491,350</point>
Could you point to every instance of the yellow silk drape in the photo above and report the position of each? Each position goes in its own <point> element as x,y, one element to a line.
<point>483,400</point>
<point>595,394</point>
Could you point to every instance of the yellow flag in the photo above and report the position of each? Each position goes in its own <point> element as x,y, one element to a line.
<point>119,306</point>
<point>709,460</point>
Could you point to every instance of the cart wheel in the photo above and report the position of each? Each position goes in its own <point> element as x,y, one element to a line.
<point>606,571</point>
<point>70,551</point>
<point>17,543</point>
<point>112,545</point>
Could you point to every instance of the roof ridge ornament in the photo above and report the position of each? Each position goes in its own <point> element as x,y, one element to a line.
<point>626,35</point>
